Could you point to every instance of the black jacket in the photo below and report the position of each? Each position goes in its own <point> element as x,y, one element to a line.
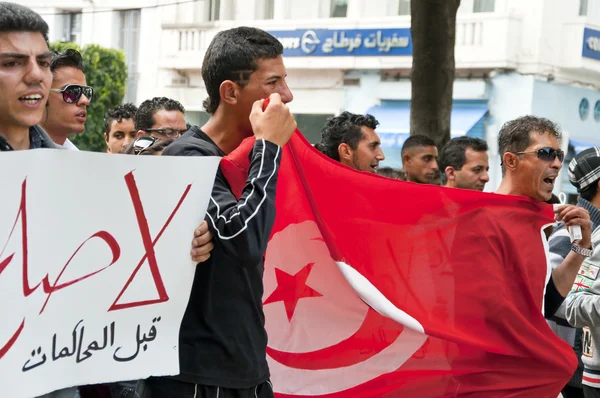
<point>222,338</point>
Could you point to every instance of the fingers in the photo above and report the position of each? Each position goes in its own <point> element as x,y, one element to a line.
<point>202,229</point>
<point>572,215</point>
<point>202,253</point>
<point>202,243</point>
<point>274,99</point>
<point>257,108</point>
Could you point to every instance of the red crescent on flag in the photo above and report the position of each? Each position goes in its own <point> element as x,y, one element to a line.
<point>380,331</point>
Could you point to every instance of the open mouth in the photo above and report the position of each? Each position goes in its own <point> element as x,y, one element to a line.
<point>81,116</point>
<point>549,181</point>
<point>374,168</point>
<point>32,99</point>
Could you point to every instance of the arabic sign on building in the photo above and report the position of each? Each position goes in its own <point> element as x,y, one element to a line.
<point>95,272</point>
<point>347,42</point>
<point>591,43</point>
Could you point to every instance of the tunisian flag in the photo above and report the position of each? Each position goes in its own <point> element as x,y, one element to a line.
<point>382,288</point>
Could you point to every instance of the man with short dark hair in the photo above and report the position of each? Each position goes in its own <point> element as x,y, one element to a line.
<point>464,163</point>
<point>25,78</point>
<point>419,159</point>
<point>25,81</point>
<point>119,127</point>
<point>531,159</point>
<point>66,110</point>
<point>160,117</point>
<point>351,140</point>
<point>222,350</point>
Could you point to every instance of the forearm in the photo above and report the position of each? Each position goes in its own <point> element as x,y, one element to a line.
<point>564,275</point>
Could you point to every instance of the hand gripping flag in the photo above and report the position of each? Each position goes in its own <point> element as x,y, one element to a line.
<point>382,288</point>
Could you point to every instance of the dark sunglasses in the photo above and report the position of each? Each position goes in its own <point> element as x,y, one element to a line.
<point>546,154</point>
<point>143,143</point>
<point>71,93</point>
<point>168,132</point>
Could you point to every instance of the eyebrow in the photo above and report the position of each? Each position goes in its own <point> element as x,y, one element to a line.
<point>47,54</point>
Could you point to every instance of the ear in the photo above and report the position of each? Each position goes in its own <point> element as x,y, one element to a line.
<point>405,159</point>
<point>106,138</point>
<point>229,92</point>
<point>450,173</point>
<point>345,152</point>
<point>140,134</point>
<point>510,160</point>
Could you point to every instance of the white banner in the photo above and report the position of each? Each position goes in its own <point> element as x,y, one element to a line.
<point>95,267</point>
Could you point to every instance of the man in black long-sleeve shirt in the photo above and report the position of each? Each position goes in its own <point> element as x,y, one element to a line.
<point>222,338</point>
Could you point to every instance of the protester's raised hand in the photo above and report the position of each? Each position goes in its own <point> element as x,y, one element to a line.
<point>574,215</point>
<point>276,123</point>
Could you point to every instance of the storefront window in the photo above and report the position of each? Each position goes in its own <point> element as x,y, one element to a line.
<point>483,6</point>
<point>339,8</point>
<point>404,7</point>
<point>310,125</point>
<point>583,7</point>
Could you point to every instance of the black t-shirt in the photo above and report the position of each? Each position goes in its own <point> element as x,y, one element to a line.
<point>222,338</point>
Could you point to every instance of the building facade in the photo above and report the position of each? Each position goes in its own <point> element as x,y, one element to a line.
<point>513,58</point>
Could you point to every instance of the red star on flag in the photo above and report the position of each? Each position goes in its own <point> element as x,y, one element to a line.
<point>291,288</point>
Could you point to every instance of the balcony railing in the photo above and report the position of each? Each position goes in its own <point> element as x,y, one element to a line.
<point>482,41</point>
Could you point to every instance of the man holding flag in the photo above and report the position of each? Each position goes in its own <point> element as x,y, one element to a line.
<point>531,160</point>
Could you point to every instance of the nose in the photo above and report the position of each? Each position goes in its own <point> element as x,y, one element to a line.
<point>35,73</point>
<point>83,100</point>
<point>128,140</point>
<point>556,164</point>
<point>485,177</point>
<point>434,164</point>
<point>380,155</point>
<point>286,93</point>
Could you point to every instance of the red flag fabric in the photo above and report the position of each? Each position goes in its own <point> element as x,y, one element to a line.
<point>383,288</point>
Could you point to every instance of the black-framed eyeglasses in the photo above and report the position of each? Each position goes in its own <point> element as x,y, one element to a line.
<point>546,154</point>
<point>168,132</point>
<point>71,93</point>
<point>143,143</point>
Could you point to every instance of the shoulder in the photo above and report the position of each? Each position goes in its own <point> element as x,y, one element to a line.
<point>40,139</point>
<point>191,144</point>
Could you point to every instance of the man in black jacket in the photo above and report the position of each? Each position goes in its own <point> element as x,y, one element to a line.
<point>222,338</point>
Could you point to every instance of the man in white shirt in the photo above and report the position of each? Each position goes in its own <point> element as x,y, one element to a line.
<point>66,109</point>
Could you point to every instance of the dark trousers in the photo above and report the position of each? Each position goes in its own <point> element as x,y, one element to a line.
<point>168,388</point>
<point>591,392</point>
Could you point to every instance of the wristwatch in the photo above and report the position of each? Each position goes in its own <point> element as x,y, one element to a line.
<point>582,250</point>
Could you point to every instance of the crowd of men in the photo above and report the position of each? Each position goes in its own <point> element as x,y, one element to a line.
<point>44,101</point>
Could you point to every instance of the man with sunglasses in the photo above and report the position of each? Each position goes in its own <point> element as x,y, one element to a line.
<point>160,117</point>
<point>66,110</point>
<point>531,160</point>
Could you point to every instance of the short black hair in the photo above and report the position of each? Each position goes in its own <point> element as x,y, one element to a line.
<point>453,153</point>
<point>390,172</point>
<point>18,18</point>
<point>515,135</point>
<point>233,55</point>
<point>416,140</point>
<point>68,59</point>
<point>144,117</point>
<point>344,128</point>
<point>119,113</point>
